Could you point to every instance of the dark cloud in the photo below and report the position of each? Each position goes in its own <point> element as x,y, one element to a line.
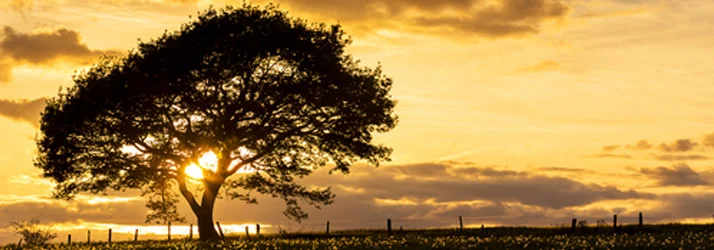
<point>501,185</point>
<point>480,17</point>
<point>677,175</point>
<point>609,148</point>
<point>621,156</point>
<point>42,48</point>
<point>23,110</point>
<point>681,145</point>
<point>670,157</point>
<point>682,205</point>
<point>132,212</point>
<point>640,145</point>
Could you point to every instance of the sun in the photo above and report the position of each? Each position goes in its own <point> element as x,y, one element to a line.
<point>194,172</point>
<point>208,161</point>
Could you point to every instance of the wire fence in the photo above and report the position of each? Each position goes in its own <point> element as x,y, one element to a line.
<point>389,225</point>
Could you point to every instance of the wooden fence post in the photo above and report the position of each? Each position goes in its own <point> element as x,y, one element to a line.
<point>169,230</point>
<point>461,224</point>
<point>614,223</point>
<point>69,239</point>
<point>190,232</point>
<point>389,226</point>
<point>246,232</point>
<point>327,228</point>
<point>575,222</point>
<point>641,220</point>
<point>136,234</point>
<point>257,230</point>
<point>109,237</point>
<point>220,230</point>
<point>89,236</point>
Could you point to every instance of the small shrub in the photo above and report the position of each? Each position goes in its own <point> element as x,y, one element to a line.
<point>32,232</point>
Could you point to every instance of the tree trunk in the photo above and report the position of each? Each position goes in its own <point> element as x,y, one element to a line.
<point>206,229</point>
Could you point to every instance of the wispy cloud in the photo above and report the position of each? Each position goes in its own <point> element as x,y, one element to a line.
<point>621,156</point>
<point>540,67</point>
<point>670,157</point>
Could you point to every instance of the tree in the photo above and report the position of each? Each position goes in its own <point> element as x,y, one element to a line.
<point>162,205</point>
<point>32,232</point>
<point>270,97</point>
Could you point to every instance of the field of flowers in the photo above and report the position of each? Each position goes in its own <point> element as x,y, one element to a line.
<point>678,240</point>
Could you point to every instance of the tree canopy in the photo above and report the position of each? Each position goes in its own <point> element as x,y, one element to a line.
<point>273,97</point>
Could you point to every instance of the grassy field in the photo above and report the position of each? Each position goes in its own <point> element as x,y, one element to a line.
<point>670,236</point>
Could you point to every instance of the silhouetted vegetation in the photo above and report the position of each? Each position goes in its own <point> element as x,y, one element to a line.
<point>33,233</point>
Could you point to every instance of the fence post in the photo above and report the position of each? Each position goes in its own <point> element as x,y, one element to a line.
<point>461,224</point>
<point>327,228</point>
<point>190,232</point>
<point>69,239</point>
<point>246,232</point>
<point>109,238</point>
<point>219,229</point>
<point>89,236</point>
<point>169,230</point>
<point>389,226</point>
<point>136,234</point>
<point>257,230</point>
<point>614,223</point>
<point>575,222</point>
<point>641,220</point>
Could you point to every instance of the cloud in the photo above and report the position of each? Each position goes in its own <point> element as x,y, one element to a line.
<point>23,110</point>
<point>459,184</point>
<point>681,145</point>
<point>640,145</point>
<point>708,140</point>
<point>540,67</point>
<point>677,175</point>
<point>478,17</point>
<point>43,48</point>
<point>609,148</point>
<point>54,211</point>
<point>5,70</point>
<point>621,156</point>
<point>670,157</point>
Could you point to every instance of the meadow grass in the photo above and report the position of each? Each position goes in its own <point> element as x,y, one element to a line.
<point>665,236</point>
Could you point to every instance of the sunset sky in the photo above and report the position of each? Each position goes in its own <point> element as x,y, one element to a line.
<point>512,112</point>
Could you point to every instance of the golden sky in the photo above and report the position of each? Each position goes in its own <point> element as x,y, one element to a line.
<point>512,112</point>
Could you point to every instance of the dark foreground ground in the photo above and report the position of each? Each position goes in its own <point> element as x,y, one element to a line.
<point>669,236</point>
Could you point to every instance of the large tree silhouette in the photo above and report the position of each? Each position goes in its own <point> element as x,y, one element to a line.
<point>272,96</point>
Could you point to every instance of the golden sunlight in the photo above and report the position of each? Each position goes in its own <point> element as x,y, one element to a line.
<point>194,171</point>
<point>208,161</point>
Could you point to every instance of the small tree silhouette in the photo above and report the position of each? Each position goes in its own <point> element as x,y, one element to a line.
<point>162,204</point>
<point>32,232</point>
